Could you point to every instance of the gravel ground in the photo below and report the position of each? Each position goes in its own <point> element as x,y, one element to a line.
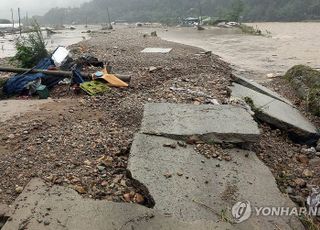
<point>83,142</point>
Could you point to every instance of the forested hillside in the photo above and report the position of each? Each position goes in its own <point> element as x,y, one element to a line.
<point>171,10</point>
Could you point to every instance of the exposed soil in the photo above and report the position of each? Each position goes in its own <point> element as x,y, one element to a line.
<point>84,142</point>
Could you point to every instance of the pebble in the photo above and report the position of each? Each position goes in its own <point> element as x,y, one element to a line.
<point>303,159</point>
<point>300,182</point>
<point>138,198</point>
<point>19,189</point>
<point>179,174</point>
<point>46,222</point>
<point>307,173</point>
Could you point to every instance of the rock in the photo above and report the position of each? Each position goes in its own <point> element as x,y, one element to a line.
<point>300,182</point>
<point>106,161</point>
<point>192,140</point>
<point>19,189</point>
<point>104,183</point>
<point>182,144</point>
<point>138,198</point>
<point>309,151</point>
<point>303,159</point>
<point>11,136</point>
<point>289,190</point>
<point>307,173</point>
<point>205,121</point>
<point>79,189</point>
<point>46,222</point>
<point>127,197</point>
<point>154,69</point>
<point>276,113</point>
<point>179,174</point>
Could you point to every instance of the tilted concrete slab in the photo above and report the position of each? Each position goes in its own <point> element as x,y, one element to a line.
<point>277,113</point>
<point>259,88</point>
<point>212,123</point>
<point>40,207</point>
<point>196,180</point>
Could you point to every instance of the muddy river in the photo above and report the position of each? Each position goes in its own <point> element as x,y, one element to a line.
<point>61,38</point>
<point>257,57</point>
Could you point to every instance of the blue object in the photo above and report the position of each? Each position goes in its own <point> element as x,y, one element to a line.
<point>17,83</point>
<point>99,74</point>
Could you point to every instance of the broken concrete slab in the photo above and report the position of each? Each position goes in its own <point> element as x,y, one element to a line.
<point>157,50</point>
<point>201,188</point>
<point>259,88</point>
<point>212,123</point>
<point>277,113</point>
<point>58,208</point>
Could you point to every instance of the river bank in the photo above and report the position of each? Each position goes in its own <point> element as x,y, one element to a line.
<point>285,45</point>
<point>83,142</point>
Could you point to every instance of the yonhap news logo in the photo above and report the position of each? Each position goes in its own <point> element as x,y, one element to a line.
<point>242,211</point>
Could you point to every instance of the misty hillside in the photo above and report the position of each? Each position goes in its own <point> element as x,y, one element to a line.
<point>170,10</point>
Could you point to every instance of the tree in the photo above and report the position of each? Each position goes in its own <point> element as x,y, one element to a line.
<point>237,8</point>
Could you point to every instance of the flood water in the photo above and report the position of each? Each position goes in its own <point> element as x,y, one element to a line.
<point>257,56</point>
<point>64,37</point>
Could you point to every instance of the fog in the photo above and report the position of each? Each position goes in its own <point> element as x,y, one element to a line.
<point>34,7</point>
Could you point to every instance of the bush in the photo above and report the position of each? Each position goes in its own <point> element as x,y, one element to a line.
<point>250,30</point>
<point>306,82</point>
<point>31,49</point>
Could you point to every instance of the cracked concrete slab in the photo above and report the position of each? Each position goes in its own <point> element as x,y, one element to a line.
<point>259,88</point>
<point>212,123</point>
<point>200,189</point>
<point>40,207</point>
<point>277,113</point>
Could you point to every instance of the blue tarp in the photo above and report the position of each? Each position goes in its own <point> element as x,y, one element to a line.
<point>17,83</point>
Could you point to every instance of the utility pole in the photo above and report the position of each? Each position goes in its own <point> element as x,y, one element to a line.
<point>200,13</point>
<point>19,21</point>
<point>27,18</point>
<point>12,19</point>
<point>109,26</point>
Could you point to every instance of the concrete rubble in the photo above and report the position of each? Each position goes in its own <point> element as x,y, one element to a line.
<point>220,123</point>
<point>194,180</point>
<point>41,207</point>
<point>259,88</point>
<point>277,113</point>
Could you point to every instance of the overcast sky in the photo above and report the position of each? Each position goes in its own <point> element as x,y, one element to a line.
<point>33,7</point>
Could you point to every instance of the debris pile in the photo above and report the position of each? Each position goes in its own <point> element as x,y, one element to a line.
<point>61,69</point>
